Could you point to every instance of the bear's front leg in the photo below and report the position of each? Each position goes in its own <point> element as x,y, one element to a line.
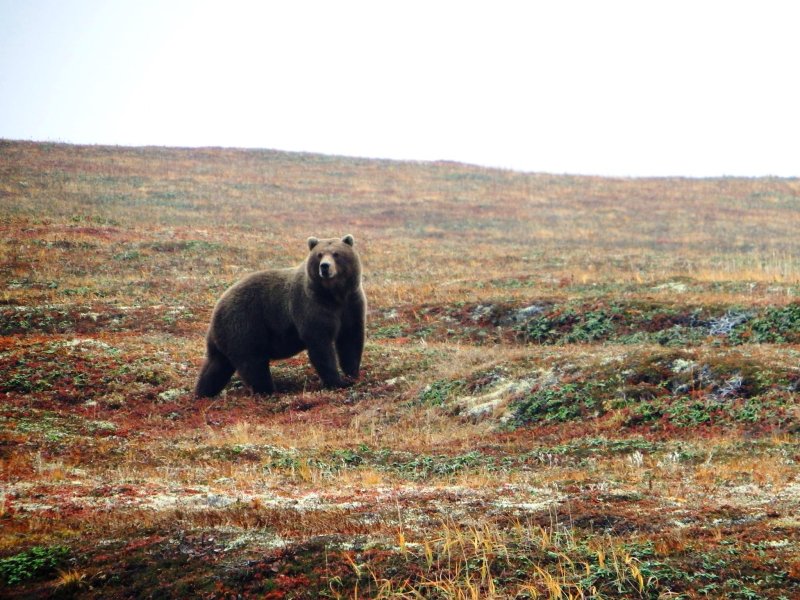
<point>350,340</point>
<point>349,348</point>
<point>323,357</point>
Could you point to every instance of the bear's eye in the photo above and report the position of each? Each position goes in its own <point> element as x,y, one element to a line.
<point>319,254</point>
<point>335,255</point>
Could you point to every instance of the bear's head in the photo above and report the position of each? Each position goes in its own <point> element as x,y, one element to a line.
<point>334,263</point>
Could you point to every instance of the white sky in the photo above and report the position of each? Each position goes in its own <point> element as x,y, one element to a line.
<point>696,88</point>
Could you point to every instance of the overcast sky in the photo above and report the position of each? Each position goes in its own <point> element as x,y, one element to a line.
<point>693,88</point>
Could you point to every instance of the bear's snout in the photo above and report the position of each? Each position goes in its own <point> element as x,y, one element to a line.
<point>327,268</point>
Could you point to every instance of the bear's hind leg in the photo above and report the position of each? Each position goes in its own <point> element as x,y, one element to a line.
<point>214,375</point>
<point>255,373</point>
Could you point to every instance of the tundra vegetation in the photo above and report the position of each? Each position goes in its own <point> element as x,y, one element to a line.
<point>573,387</point>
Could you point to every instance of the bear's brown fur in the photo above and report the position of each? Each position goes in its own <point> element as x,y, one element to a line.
<point>317,306</point>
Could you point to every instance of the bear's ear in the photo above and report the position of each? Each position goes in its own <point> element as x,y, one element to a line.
<point>349,240</point>
<point>312,241</point>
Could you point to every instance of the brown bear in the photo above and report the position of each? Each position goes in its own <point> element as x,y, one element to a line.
<point>317,306</point>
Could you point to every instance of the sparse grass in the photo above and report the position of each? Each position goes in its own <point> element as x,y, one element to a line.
<point>573,387</point>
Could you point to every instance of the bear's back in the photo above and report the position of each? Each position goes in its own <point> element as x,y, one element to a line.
<point>252,316</point>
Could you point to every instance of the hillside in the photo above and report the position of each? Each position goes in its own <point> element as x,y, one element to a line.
<point>573,387</point>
